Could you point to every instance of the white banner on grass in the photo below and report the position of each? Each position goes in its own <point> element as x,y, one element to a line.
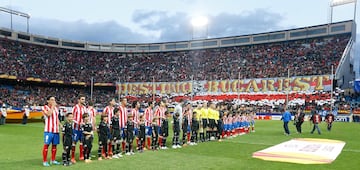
<point>303,151</point>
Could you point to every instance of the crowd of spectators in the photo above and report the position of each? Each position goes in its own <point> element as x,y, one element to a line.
<point>21,95</point>
<point>303,57</point>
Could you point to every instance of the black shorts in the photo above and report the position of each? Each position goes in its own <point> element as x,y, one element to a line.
<point>220,126</point>
<point>116,134</point>
<point>177,133</point>
<point>67,141</point>
<point>141,135</point>
<point>212,123</point>
<point>103,140</point>
<point>164,133</point>
<point>130,138</point>
<point>88,142</point>
<point>204,123</point>
<point>155,131</point>
<point>184,126</point>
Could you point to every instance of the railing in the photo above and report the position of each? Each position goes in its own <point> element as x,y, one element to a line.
<point>343,57</point>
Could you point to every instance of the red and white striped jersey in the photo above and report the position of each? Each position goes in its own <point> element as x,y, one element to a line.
<point>189,115</point>
<point>160,112</point>
<point>234,119</point>
<point>92,114</point>
<point>123,116</point>
<point>242,118</point>
<point>148,116</point>
<point>224,119</point>
<point>52,121</point>
<point>78,111</point>
<point>135,114</point>
<point>227,120</point>
<point>245,119</point>
<point>109,111</point>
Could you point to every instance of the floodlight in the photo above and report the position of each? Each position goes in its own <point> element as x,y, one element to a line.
<point>199,21</point>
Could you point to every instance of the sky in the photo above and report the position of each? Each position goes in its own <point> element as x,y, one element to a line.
<point>149,21</point>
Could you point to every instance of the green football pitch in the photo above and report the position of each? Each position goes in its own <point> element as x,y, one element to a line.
<point>21,148</point>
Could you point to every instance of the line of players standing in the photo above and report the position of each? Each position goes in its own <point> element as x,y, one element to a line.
<point>118,127</point>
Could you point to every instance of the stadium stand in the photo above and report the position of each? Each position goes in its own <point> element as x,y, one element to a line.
<point>306,57</point>
<point>71,68</point>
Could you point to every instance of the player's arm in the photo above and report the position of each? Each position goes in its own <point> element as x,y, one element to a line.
<point>61,125</point>
<point>48,112</point>
<point>83,130</point>
<point>87,133</point>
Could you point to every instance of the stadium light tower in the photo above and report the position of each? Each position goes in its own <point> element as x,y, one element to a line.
<point>18,13</point>
<point>199,22</point>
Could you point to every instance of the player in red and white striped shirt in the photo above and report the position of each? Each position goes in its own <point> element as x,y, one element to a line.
<point>149,114</point>
<point>122,120</point>
<point>135,115</point>
<point>229,124</point>
<point>109,111</point>
<point>92,115</point>
<point>51,130</point>
<point>160,115</point>
<point>78,111</point>
<point>242,119</point>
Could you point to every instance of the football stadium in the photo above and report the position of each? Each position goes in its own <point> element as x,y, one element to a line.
<point>284,99</point>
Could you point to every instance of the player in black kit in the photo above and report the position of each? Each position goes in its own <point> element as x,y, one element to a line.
<point>103,132</point>
<point>87,140</point>
<point>176,129</point>
<point>67,139</point>
<point>129,131</point>
<point>115,133</point>
<point>164,130</point>
<point>141,135</point>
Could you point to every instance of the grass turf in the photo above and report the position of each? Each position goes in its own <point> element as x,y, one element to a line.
<point>21,147</point>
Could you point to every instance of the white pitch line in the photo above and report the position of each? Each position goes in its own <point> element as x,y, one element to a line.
<point>351,150</point>
<point>269,144</point>
<point>252,143</point>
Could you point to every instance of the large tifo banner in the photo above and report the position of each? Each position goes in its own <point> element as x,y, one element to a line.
<point>215,87</point>
<point>303,151</point>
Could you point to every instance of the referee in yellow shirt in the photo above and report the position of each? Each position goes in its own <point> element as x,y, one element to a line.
<point>213,116</point>
<point>204,118</point>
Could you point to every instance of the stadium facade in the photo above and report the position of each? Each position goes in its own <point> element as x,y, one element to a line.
<point>344,73</point>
